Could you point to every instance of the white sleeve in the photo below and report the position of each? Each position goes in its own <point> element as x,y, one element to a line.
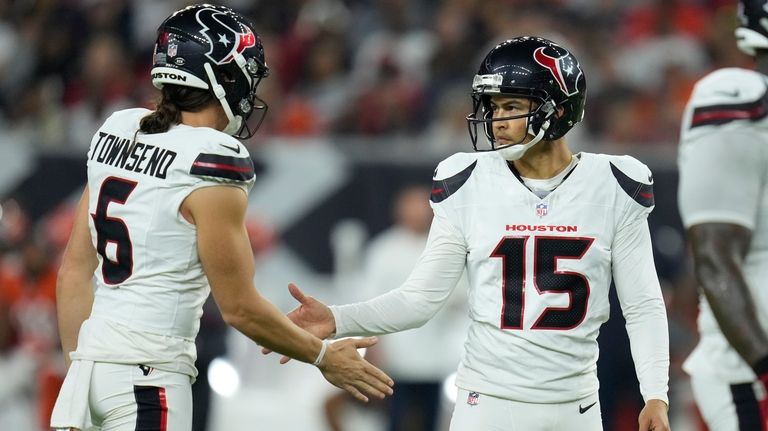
<point>642,304</point>
<point>419,298</point>
<point>721,176</point>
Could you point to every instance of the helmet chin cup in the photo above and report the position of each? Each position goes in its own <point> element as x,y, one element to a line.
<point>516,152</point>
<point>234,126</point>
<point>749,41</point>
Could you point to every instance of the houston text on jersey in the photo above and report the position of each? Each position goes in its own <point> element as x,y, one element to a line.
<point>142,158</point>
<point>541,228</point>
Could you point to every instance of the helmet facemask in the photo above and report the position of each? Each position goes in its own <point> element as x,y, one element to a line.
<point>237,96</point>
<point>540,110</point>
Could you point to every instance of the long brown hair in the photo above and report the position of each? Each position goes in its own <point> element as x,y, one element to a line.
<point>173,100</point>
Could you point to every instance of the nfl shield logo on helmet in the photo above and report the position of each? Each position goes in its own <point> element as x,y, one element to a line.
<point>172,47</point>
<point>541,209</point>
<point>472,398</point>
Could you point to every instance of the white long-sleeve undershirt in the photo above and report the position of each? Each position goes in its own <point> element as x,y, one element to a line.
<point>419,298</point>
<point>642,304</point>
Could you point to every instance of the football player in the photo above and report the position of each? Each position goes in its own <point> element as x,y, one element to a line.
<point>541,232</point>
<point>723,199</point>
<point>160,225</point>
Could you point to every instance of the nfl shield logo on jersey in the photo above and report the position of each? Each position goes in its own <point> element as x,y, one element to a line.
<point>541,209</point>
<point>172,47</point>
<point>472,398</point>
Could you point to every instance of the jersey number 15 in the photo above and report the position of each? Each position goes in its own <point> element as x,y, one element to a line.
<point>546,278</point>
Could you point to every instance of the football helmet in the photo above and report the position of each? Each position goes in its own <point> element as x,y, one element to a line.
<point>215,48</point>
<point>752,33</point>
<point>537,69</point>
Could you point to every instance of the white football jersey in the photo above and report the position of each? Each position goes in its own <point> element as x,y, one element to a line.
<point>150,285</point>
<point>540,271</point>
<point>723,164</point>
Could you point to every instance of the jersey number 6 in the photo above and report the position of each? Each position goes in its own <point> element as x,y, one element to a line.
<point>546,279</point>
<point>118,268</point>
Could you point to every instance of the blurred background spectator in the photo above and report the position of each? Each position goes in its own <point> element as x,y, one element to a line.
<point>365,96</point>
<point>364,67</point>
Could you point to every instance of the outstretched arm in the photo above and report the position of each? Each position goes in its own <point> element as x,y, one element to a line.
<point>419,298</point>
<point>409,306</point>
<point>719,250</point>
<point>219,213</point>
<point>74,292</point>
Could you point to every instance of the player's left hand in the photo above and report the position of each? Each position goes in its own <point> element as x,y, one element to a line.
<point>653,417</point>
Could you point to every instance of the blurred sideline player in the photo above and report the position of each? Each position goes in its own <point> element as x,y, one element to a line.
<point>541,233</point>
<point>723,198</point>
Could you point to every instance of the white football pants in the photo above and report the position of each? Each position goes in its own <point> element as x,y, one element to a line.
<point>475,411</point>
<point>139,398</point>
<point>730,407</point>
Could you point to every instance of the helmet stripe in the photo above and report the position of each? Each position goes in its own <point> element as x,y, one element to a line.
<point>553,64</point>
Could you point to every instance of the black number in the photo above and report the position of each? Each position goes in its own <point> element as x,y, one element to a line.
<point>113,230</point>
<point>511,250</point>
<point>547,278</point>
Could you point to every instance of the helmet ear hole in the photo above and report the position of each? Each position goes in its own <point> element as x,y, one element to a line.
<point>226,76</point>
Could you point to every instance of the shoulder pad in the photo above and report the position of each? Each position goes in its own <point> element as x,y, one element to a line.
<point>451,174</point>
<point>127,118</point>
<point>222,157</point>
<point>223,167</point>
<point>634,178</point>
<point>726,95</point>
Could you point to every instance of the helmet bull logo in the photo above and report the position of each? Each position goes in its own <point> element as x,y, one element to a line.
<point>223,40</point>
<point>557,66</point>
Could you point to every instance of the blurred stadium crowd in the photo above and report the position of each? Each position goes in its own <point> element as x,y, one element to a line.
<point>367,70</point>
<point>368,67</point>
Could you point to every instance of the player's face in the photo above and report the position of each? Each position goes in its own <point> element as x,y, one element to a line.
<point>514,130</point>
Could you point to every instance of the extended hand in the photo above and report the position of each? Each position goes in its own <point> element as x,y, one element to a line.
<point>653,417</point>
<point>344,367</point>
<point>311,315</point>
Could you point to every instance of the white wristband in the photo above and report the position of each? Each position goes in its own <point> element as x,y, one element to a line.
<point>321,355</point>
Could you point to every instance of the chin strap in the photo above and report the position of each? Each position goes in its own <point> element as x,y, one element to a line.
<point>235,121</point>
<point>517,151</point>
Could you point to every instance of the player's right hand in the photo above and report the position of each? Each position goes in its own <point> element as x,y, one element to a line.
<point>343,366</point>
<point>311,315</point>
<point>654,417</point>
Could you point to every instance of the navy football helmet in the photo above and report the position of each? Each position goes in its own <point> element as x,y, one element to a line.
<point>533,68</point>
<point>212,47</point>
<point>752,33</point>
